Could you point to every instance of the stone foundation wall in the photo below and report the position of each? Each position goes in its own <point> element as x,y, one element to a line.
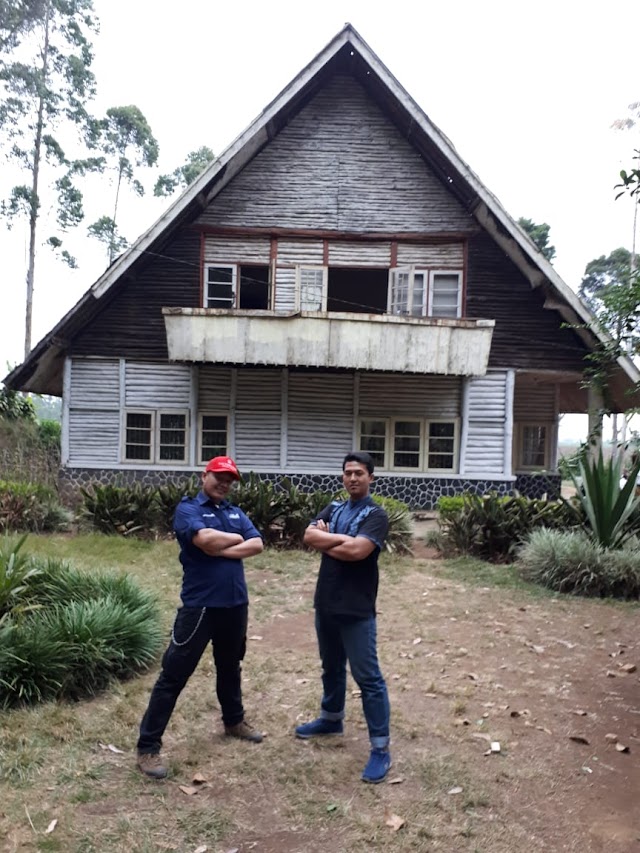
<point>418,492</point>
<point>539,485</point>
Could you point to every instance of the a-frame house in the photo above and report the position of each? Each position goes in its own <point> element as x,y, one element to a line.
<point>338,278</point>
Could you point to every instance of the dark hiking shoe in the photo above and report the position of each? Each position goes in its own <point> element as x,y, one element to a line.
<point>244,731</point>
<point>319,727</point>
<point>150,763</point>
<point>377,766</point>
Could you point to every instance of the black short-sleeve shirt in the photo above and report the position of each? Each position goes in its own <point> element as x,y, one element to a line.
<point>349,588</point>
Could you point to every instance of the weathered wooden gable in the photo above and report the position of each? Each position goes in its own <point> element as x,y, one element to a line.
<point>339,165</point>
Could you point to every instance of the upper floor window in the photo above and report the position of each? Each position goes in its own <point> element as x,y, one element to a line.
<point>312,288</point>
<point>422,293</point>
<point>245,286</point>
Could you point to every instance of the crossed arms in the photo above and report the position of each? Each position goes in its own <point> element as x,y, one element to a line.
<point>339,545</point>
<point>217,543</point>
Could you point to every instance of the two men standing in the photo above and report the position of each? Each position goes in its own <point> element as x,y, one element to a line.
<point>214,538</point>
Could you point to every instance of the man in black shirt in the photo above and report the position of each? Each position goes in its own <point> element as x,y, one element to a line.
<point>349,534</point>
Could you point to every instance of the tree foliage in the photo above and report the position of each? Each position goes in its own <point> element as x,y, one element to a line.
<point>540,236</point>
<point>15,407</point>
<point>45,81</point>
<point>17,19</point>
<point>127,142</point>
<point>184,175</point>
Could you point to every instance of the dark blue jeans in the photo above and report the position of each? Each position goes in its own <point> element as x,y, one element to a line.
<point>226,629</point>
<point>343,638</point>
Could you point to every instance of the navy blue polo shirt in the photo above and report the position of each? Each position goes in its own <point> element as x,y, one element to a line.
<point>210,581</point>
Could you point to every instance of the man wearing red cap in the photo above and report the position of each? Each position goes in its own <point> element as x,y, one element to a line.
<point>214,538</point>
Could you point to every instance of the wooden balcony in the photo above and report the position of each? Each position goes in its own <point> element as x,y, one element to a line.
<point>331,340</point>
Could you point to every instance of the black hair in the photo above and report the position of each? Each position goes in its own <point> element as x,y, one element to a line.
<point>359,456</point>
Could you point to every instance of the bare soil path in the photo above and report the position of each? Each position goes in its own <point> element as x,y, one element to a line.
<point>549,679</point>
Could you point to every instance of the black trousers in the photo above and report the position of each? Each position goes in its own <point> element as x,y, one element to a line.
<point>226,629</point>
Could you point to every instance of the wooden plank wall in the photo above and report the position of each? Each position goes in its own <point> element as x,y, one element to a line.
<point>341,165</point>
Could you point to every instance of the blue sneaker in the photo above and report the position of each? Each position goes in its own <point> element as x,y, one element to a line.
<point>319,727</point>
<point>377,766</point>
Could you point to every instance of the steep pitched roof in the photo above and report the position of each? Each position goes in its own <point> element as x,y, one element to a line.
<point>42,370</point>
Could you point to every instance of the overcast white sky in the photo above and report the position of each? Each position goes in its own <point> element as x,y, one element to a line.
<point>526,92</point>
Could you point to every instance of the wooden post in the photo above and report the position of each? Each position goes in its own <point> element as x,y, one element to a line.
<point>596,407</point>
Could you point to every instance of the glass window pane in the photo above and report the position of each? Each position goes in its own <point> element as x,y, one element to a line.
<point>373,438</point>
<point>444,299</point>
<point>441,461</point>
<point>138,436</point>
<point>418,301</point>
<point>400,293</point>
<point>214,436</point>
<point>172,440</point>
<point>311,290</point>
<point>534,440</point>
<point>406,444</point>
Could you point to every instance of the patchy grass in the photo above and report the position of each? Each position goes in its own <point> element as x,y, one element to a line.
<point>462,645</point>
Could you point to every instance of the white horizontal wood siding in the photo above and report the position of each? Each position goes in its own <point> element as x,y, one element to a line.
<point>94,383</point>
<point>236,250</point>
<point>157,386</point>
<point>320,421</point>
<point>486,425</point>
<point>94,437</point>
<point>92,424</point>
<point>386,395</point>
<point>285,298</point>
<point>214,388</point>
<point>351,254</point>
<point>305,252</point>
<point>340,164</point>
<point>441,255</point>
<point>258,419</point>
<point>534,403</point>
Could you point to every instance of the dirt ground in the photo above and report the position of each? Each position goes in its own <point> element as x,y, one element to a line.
<point>550,680</point>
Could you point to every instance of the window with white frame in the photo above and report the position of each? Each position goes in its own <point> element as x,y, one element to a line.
<point>421,293</point>
<point>139,436</point>
<point>445,294</point>
<point>410,444</point>
<point>156,436</point>
<point>533,446</point>
<point>244,286</point>
<point>312,288</point>
<point>212,435</point>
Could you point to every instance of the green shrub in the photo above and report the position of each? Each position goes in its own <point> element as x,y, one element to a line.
<point>572,562</point>
<point>492,527</point>
<point>167,498</point>
<point>31,507</point>
<point>69,634</point>
<point>120,509</point>
<point>263,503</point>
<point>298,510</point>
<point>16,571</point>
<point>400,533</point>
<point>610,514</point>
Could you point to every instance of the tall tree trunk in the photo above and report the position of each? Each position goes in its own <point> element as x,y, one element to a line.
<point>115,215</point>
<point>35,203</point>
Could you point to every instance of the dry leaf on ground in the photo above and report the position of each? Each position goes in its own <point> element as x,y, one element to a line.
<point>455,790</point>
<point>51,826</point>
<point>188,790</point>
<point>393,820</point>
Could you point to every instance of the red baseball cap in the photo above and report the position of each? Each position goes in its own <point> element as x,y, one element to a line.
<point>220,464</point>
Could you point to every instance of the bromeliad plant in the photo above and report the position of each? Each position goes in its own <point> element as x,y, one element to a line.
<point>611,513</point>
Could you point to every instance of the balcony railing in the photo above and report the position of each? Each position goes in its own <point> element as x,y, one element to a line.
<point>331,340</point>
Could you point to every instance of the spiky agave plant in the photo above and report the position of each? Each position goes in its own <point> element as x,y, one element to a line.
<point>609,508</point>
